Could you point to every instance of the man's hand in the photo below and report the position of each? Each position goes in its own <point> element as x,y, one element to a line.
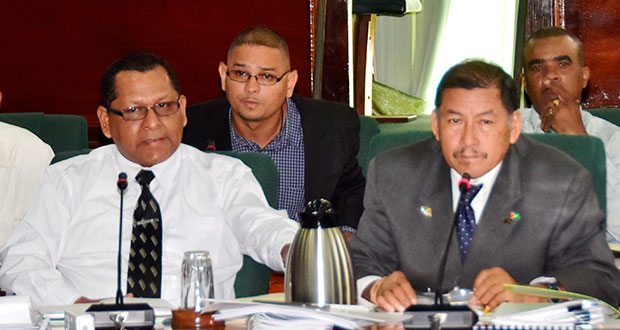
<point>347,235</point>
<point>84,300</point>
<point>489,289</point>
<point>392,293</point>
<point>562,112</point>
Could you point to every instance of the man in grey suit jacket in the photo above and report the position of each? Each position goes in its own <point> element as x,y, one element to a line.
<point>537,220</point>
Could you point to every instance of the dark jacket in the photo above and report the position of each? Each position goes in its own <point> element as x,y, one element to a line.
<point>331,142</point>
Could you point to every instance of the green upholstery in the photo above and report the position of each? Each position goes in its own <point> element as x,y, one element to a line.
<point>587,150</point>
<point>422,122</point>
<point>369,127</point>
<point>61,132</point>
<point>610,114</point>
<point>391,139</point>
<point>253,278</point>
<point>265,171</point>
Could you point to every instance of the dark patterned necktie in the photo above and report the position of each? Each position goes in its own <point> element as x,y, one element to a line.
<point>466,223</point>
<point>144,274</point>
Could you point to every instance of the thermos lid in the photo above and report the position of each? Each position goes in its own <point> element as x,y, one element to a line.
<point>318,213</point>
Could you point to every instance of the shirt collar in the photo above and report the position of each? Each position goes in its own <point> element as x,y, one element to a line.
<point>165,171</point>
<point>487,180</point>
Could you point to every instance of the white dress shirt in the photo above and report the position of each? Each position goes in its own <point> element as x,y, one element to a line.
<point>66,246</point>
<point>610,134</point>
<point>23,160</point>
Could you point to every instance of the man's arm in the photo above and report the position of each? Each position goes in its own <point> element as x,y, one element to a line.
<point>612,153</point>
<point>373,251</point>
<point>30,255</point>
<point>263,233</point>
<point>578,256</point>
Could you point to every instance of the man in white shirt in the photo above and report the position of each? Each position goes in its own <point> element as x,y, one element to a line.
<point>555,75</point>
<point>535,219</point>
<point>65,250</point>
<point>23,160</point>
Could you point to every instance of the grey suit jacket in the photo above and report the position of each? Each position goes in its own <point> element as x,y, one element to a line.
<point>560,232</point>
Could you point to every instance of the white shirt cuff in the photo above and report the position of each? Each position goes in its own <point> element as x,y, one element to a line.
<point>544,280</point>
<point>362,283</point>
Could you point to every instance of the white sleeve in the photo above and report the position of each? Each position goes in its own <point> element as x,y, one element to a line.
<point>30,255</point>
<point>612,151</point>
<point>261,230</point>
<point>362,284</point>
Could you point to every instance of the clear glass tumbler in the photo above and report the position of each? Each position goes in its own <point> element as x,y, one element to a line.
<point>196,288</point>
<point>197,284</point>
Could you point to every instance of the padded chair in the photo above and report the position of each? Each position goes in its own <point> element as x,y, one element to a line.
<point>369,127</point>
<point>253,278</point>
<point>587,150</point>
<point>612,115</point>
<point>66,134</point>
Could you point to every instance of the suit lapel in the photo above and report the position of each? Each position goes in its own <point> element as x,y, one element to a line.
<point>313,157</point>
<point>437,193</point>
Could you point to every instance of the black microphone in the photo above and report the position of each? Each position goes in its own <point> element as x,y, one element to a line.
<point>440,315</point>
<point>121,183</point>
<point>464,185</point>
<point>122,315</point>
<point>210,145</point>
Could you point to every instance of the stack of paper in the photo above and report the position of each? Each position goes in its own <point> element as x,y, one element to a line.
<point>16,313</point>
<point>274,321</point>
<point>574,312</point>
<point>289,315</point>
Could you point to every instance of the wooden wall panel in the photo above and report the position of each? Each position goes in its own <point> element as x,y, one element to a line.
<point>597,24</point>
<point>53,53</point>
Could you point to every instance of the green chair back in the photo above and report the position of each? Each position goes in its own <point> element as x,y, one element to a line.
<point>253,278</point>
<point>612,115</point>
<point>587,150</point>
<point>61,132</point>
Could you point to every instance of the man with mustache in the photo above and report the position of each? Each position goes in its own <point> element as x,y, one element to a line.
<point>314,143</point>
<point>530,216</point>
<point>555,75</point>
<point>177,199</point>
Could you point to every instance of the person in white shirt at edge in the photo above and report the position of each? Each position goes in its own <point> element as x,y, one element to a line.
<point>65,249</point>
<point>23,160</point>
<point>555,75</point>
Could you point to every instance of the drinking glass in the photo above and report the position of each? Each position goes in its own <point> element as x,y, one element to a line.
<point>197,285</point>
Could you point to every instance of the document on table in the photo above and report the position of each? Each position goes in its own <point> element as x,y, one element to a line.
<point>16,313</point>
<point>344,316</point>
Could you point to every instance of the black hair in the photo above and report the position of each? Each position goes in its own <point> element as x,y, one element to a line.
<point>475,73</point>
<point>137,61</point>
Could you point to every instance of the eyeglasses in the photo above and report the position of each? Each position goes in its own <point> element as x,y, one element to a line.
<point>265,79</point>
<point>138,113</point>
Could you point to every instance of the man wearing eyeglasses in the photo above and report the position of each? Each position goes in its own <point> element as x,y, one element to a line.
<point>314,143</point>
<point>177,199</point>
